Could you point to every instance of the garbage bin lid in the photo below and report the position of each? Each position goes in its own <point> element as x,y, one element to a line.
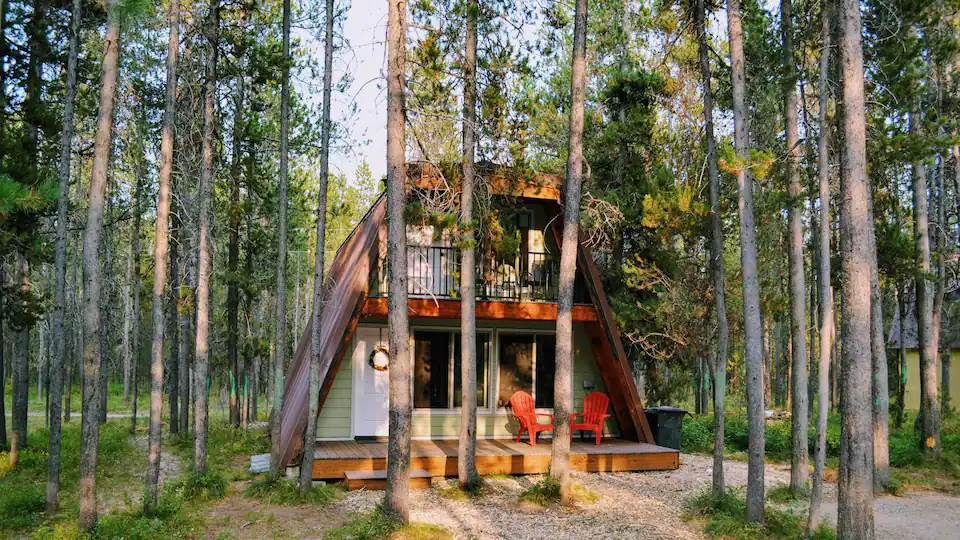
<point>667,409</point>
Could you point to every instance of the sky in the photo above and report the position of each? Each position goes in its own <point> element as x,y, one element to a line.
<point>364,29</point>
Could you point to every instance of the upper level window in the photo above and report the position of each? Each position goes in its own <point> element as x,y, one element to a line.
<point>436,369</point>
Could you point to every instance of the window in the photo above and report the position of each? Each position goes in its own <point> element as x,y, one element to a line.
<point>546,371</point>
<point>483,353</point>
<point>528,363</point>
<point>431,370</point>
<point>436,369</point>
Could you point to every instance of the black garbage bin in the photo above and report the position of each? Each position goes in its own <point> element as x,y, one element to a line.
<point>666,423</point>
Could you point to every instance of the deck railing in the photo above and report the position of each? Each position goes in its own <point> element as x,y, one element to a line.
<point>434,272</point>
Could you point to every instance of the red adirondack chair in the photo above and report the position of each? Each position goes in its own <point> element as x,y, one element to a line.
<point>523,409</point>
<point>594,413</point>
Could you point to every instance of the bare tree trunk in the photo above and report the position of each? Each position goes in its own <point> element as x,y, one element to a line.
<point>3,344</point>
<point>173,334</point>
<point>183,330</point>
<point>930,411</point>
<point>135,273</point>
<point>798,316</point>
<point>396,501</point>
<point>310,436</point>
<point>281,342</point>
<point>467,450</point>
<point>20,371</point>
<point>90,426</point>
<point>855,486</point>
<point>563,383</point>
<point>160,258</point>
<point>60,288</point>
<point>233,260</point>
<point>205,243</point>
<point>826,298</point>
<point>880,386</point>
<point>75,340</point>
<point>753,329</point>
<point>127,321</point>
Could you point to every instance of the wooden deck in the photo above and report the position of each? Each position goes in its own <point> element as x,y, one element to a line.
<point>439,458</point>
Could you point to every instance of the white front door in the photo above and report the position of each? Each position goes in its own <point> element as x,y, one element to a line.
<point>371,388</point>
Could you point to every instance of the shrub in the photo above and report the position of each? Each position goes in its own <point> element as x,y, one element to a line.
<point>376,525</point>
<point>547,491</point>
<point>725,518</point>
<point>277,490</point>
<point>202,487</point>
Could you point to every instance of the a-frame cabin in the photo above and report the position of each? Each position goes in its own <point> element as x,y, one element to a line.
<point>516,319</point>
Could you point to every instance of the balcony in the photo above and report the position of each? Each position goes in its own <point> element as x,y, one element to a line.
<point>434,272</point>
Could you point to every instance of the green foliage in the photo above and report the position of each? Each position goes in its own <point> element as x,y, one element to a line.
<point>22,488</point>
<point>376,525</point>
<point>202,487</point>
<point>697,436</point>
<point>547,492</point>
<point>277,490</point>
<point>725,519</point>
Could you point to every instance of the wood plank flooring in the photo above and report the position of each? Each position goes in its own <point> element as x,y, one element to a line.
<point>439,457</point>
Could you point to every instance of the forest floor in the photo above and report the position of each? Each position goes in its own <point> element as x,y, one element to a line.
<point>615,505</point>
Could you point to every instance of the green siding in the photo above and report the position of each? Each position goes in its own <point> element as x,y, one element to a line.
<point>335,418</point>
<point>334,421</point>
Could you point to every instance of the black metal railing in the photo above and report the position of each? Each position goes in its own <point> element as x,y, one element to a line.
<point>434,272</point>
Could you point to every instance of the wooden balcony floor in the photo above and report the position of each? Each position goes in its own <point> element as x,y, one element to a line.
<point>499,456</point>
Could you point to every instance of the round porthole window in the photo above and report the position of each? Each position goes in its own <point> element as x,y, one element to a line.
<point>380,358</point>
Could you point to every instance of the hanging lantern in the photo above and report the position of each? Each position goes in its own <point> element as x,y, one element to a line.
<point>380,358</point>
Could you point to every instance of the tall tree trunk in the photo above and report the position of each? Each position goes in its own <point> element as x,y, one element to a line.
<point>753,329</point>
<point>76,334</point>
<point>233,260</point>
<point>563,383</point>
<point>855,487</point>
<point>281,343</point>
<point>930,411</point>
<point>19,378</point>
<point>798,315</point>
<point>135,275</point>
<point>90,425</point>
<point>160,258</point>
<point>823,258</point>
<point>467,450</point>
<point>880,394</point>
<point>310,437</point>
<point>127,321</point>
<point>183,294</point>
<point>901,356</point>
<point>173,330</point>
<point>60,288</point>
<point>397,497</point>
<point>205,243</point>
<point>3,344</point>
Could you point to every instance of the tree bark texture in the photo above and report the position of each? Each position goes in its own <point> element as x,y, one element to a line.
<point>930,410</point>
<point>397,497</point>
<point>310,437</point>
<point>19,374</point>
<point>563,383</point>
<point>90,425</point>
<point>467,450</point>
<point>798,315</point>
<point>753,326</point>
<point>855,486</point>
<point>60,287</point>
<point>160,259</point>
<point>880,393</point>
<point>205,243</point>
<point>823,259</point>
<point>716,255</point>
<point>233,259</point>
<point>281,341</point>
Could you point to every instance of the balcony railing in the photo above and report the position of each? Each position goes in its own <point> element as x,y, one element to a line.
<point>434,272</point>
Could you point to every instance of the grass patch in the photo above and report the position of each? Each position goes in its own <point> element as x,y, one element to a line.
<point>228,449</point>
<point>208,486</point>
<point>782,494</point>
<point>455,492</point>
<point>724,518</point>
<point>376,525</point>
<point>22,488</point>
<point>547,492</point>
<point>277,490</point>
<point>497,476</point>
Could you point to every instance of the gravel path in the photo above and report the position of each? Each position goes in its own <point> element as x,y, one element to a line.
<point>919,516</point>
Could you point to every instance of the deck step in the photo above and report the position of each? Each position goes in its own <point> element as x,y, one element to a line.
<point>419,479</point>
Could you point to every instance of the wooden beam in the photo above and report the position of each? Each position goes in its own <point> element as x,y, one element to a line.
<point>450,309</point>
